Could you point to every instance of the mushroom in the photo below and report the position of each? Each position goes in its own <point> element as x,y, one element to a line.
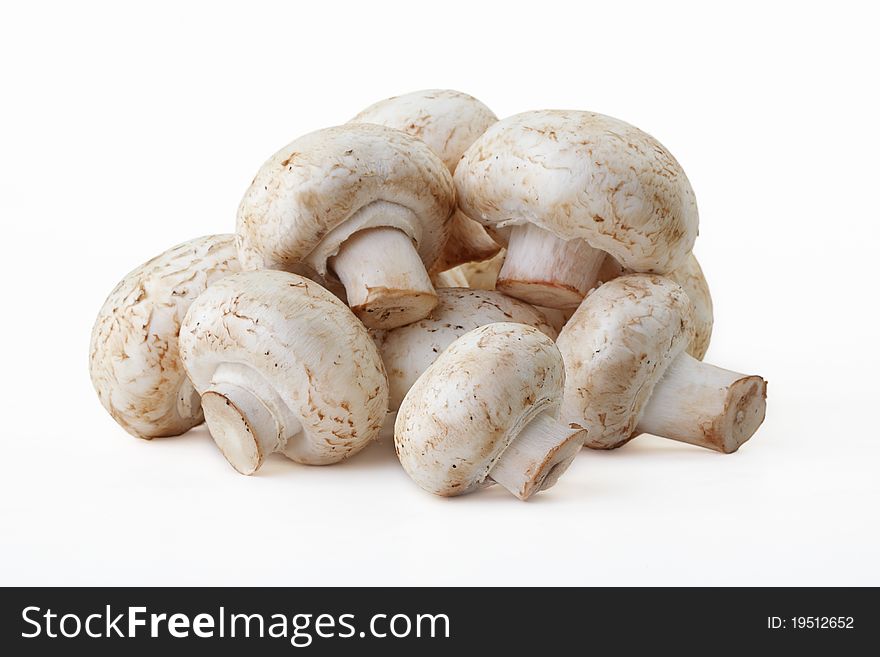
<point>284,366</point>
<point>448,122</point>
<point>565,187</point>
<point>409,350</point>
<point>627,371</point>
<point>366,204</point>
<point>133,358</point>
<point>690,276</point>
<point>486,411</point>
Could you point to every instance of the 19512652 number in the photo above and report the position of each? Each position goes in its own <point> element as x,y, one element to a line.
<point>810,623</point>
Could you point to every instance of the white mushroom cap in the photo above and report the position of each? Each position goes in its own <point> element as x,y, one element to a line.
<point>317,191</point>
<point>581,175</point>
<point>287,367</point>
<point>616,347</point>
<point>690,277</point>
<point>133,358</point>
<point>361,203</point>
<point>409,350</point>
<point>448,122</point>
<point>480,408</point>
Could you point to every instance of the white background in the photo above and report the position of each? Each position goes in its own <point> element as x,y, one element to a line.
<point>127,128</point>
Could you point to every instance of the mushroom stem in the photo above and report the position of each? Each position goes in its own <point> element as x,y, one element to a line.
<point>547,271</point>
<point>704,405</point>
<point>537,456</point>
<point>384,278</point>
<point>246,418</point>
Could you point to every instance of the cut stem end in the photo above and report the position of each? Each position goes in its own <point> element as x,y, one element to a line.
<point>385,280</point>
<point>537,457</point>
<point>704,405</point>
<point>241,426</point>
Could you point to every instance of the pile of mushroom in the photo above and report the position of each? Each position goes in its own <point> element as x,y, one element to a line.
<point>502,293</point>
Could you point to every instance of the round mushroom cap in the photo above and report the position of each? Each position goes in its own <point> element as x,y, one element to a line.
<point>690,277</point>
<point>467,407</point>
<point>448,121</point>
<point>305,344</point>
<point>586,176</point>
<point>317,191</point>
<point>409,350</point>
<point>616,347</point>
<point>133,357</point>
